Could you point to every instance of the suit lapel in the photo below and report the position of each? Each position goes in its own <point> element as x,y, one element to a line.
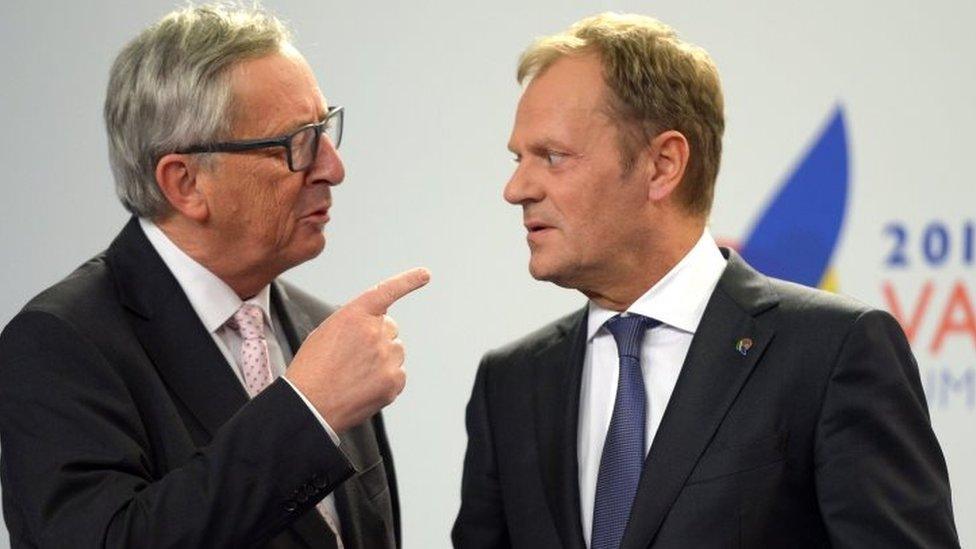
<point>358,514</point>
<point>712,375</point>
<point>182,349</point>
<point>311,527</point>
<point>558,371</point>
<point>171,333</point>
<point>294,319</point>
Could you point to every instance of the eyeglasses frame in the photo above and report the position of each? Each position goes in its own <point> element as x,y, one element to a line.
<point>280,141</point>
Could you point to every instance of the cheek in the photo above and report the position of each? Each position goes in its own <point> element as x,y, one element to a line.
<point>581,217</point>
<point>230,211</point>
<point>289,203</point>
<point>596,225</point>
<point>260,214</point>
<point>270,203</point>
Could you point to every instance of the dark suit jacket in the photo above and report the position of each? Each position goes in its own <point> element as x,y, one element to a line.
<point>817,436</point>
<point>122,425</point>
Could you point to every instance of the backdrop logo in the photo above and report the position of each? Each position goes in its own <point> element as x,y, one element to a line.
<point>926,264</point>
<point>795,237</point>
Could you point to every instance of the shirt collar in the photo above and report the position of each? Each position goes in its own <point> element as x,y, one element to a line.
<point>211,298</point>
<point>680,297</point>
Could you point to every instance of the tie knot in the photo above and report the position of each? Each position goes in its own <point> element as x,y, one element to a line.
<point>628,331</point>
<point>248,321</point>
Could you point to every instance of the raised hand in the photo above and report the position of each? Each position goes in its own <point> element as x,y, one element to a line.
<point>351,366</point>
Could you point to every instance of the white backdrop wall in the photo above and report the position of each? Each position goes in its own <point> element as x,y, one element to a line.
<point>430,93</point>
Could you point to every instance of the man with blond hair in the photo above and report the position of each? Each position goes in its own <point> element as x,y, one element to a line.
<point>693,402</point>
<point>172,391</point>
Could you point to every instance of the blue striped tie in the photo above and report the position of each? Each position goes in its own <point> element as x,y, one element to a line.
<point>623,451</point>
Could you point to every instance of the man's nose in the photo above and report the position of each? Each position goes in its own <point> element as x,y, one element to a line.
<point>520,187</point>
<point>328,167</point>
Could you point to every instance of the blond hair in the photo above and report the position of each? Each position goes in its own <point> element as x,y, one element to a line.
<point>657,81</point>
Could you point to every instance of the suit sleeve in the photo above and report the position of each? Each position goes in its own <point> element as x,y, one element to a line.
<point>78,463</point>
<point>481,521</point>
<point>880,474</point>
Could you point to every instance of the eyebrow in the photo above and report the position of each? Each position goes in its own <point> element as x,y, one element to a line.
<point>547,144</point>
<point>304,122</point>
<point>320,116</point>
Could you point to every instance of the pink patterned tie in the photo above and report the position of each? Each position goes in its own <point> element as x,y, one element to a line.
<point>255,366</point>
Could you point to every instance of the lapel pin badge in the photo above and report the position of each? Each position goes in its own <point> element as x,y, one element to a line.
<point>743,346</point>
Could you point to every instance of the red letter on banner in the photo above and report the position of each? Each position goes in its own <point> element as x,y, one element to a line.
<point>921,305</point>
<point>959,299</point>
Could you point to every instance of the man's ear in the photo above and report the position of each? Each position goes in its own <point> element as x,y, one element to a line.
<point>669,152</point>
<point>176,175</point>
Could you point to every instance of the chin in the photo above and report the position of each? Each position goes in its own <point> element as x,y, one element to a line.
<point>315,247</point>
<point>543,271</point>
<point>309,248</point>
<point>565,275</point>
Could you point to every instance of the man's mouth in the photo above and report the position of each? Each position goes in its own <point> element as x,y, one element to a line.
<point>320,215</point>
<point>536,226</point>
<point>537,230</point>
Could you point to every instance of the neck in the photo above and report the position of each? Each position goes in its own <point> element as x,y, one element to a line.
<point>637,273</point>
<point>198,242</point>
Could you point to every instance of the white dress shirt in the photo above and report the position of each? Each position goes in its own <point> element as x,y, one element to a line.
<point>215,303</point>
<point>678,301</point>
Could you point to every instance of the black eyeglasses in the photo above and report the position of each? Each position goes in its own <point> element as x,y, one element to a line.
<point>302,144</point>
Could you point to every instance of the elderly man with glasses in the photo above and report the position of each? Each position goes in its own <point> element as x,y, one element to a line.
<point>172,391</point>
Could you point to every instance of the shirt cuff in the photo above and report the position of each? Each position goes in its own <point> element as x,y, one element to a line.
<point>318,416</point>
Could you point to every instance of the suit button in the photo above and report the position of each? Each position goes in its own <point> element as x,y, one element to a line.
<point>320,481</point>
<point>290,506</point>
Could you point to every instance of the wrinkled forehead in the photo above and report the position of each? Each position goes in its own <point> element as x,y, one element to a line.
<point>289,51</point>
<point>563,102</point>
<point>572,81</point>
<point>275,93</point>
<point>534,119</point>
<point>571,84</point>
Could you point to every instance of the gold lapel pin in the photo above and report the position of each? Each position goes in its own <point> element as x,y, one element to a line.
<point>743,346</point>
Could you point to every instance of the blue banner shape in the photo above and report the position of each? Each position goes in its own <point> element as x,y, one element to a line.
<point>797,234</point>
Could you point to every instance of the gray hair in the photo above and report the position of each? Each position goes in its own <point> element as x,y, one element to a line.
<point>169,89</point>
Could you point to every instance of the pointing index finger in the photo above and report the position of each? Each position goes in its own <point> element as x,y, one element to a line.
<point>378,299</point>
